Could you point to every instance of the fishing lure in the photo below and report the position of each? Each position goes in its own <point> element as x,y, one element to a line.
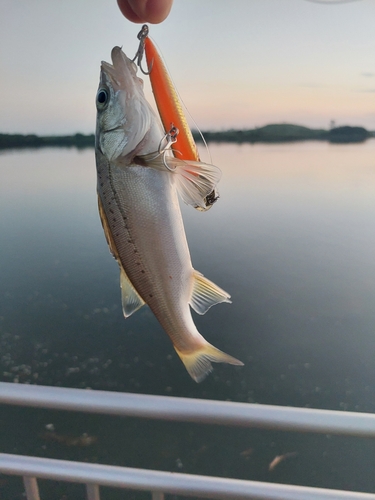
<point>169,105</point>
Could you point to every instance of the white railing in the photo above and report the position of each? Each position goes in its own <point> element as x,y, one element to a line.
<point>177,409</point>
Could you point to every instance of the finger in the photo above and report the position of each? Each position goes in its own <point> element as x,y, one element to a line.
<point>142,11</point>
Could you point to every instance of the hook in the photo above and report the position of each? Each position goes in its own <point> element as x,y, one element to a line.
<point>142,35</point>
<point>164,146</point>
<point>170,138</point>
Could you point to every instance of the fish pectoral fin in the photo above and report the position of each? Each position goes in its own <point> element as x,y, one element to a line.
<point>198,363</point>
<point>194,180</point>
<point>206,294</point>
<point>131,300</point>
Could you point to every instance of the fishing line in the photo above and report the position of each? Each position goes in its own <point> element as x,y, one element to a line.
<point>182,102</point>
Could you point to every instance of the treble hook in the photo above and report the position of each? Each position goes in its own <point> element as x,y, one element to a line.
<point>170,138</point>
<point>142,35</point>
<point>164,146</point>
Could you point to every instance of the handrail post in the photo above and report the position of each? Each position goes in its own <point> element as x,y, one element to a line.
<point>157,495</point>
<point>31,488</point>
<point>92,491</point>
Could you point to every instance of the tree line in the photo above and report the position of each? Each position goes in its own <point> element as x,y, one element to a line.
<point>269,133</point>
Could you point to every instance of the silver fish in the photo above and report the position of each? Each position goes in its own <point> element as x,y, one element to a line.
<point>140,213</point>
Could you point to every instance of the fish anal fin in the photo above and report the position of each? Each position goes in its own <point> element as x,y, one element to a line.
<point>131,300</point>
<point>206,294</point>
<point>198,363</point>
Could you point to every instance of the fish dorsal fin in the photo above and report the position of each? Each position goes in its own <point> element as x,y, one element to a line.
<point>131,301</point>
<point>194,179</point>
<point>206,294</point>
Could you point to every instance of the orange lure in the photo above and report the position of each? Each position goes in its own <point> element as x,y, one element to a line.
<point>170,108</point>
<point>168,104</point>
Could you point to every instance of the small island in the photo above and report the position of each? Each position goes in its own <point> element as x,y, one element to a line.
<point>276,133</point>
<point>288,133</point>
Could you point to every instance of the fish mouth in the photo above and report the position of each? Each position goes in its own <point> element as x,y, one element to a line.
<point>122,73</point>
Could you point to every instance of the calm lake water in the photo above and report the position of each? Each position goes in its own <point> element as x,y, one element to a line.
<point>292,239</point>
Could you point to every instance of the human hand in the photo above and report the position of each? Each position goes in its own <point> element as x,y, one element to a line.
<point>145,11</point>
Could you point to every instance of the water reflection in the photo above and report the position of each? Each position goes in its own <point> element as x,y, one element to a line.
<point>291,239</point>
<point>297,239</point>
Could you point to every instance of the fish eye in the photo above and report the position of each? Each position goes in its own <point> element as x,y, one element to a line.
<point>101,98</point>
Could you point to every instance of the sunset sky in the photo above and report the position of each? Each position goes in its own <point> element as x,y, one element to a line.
<point>236,64</point>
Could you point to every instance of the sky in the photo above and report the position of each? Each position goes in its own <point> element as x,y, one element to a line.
<point>236,64</point>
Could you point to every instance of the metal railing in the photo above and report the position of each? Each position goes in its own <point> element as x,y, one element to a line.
<point>178,409</point>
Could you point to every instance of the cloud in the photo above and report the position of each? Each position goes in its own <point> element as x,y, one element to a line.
<point>368,74</point>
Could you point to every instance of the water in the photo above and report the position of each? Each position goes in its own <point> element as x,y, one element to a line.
<point>292,240</point>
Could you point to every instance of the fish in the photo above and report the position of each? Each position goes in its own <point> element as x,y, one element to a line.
<point>280,458</point>
<point>137,185</point>
<point>246,453</point>
<point>69,440</point>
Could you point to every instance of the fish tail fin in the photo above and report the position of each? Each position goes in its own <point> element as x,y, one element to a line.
<point>198,363</point>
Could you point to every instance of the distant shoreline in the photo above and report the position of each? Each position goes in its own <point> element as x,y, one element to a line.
<point>268,134</point>
<point>288,133</point>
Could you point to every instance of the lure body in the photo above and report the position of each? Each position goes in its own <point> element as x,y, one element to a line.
<point>169,104</point>
<point>171,112</point>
